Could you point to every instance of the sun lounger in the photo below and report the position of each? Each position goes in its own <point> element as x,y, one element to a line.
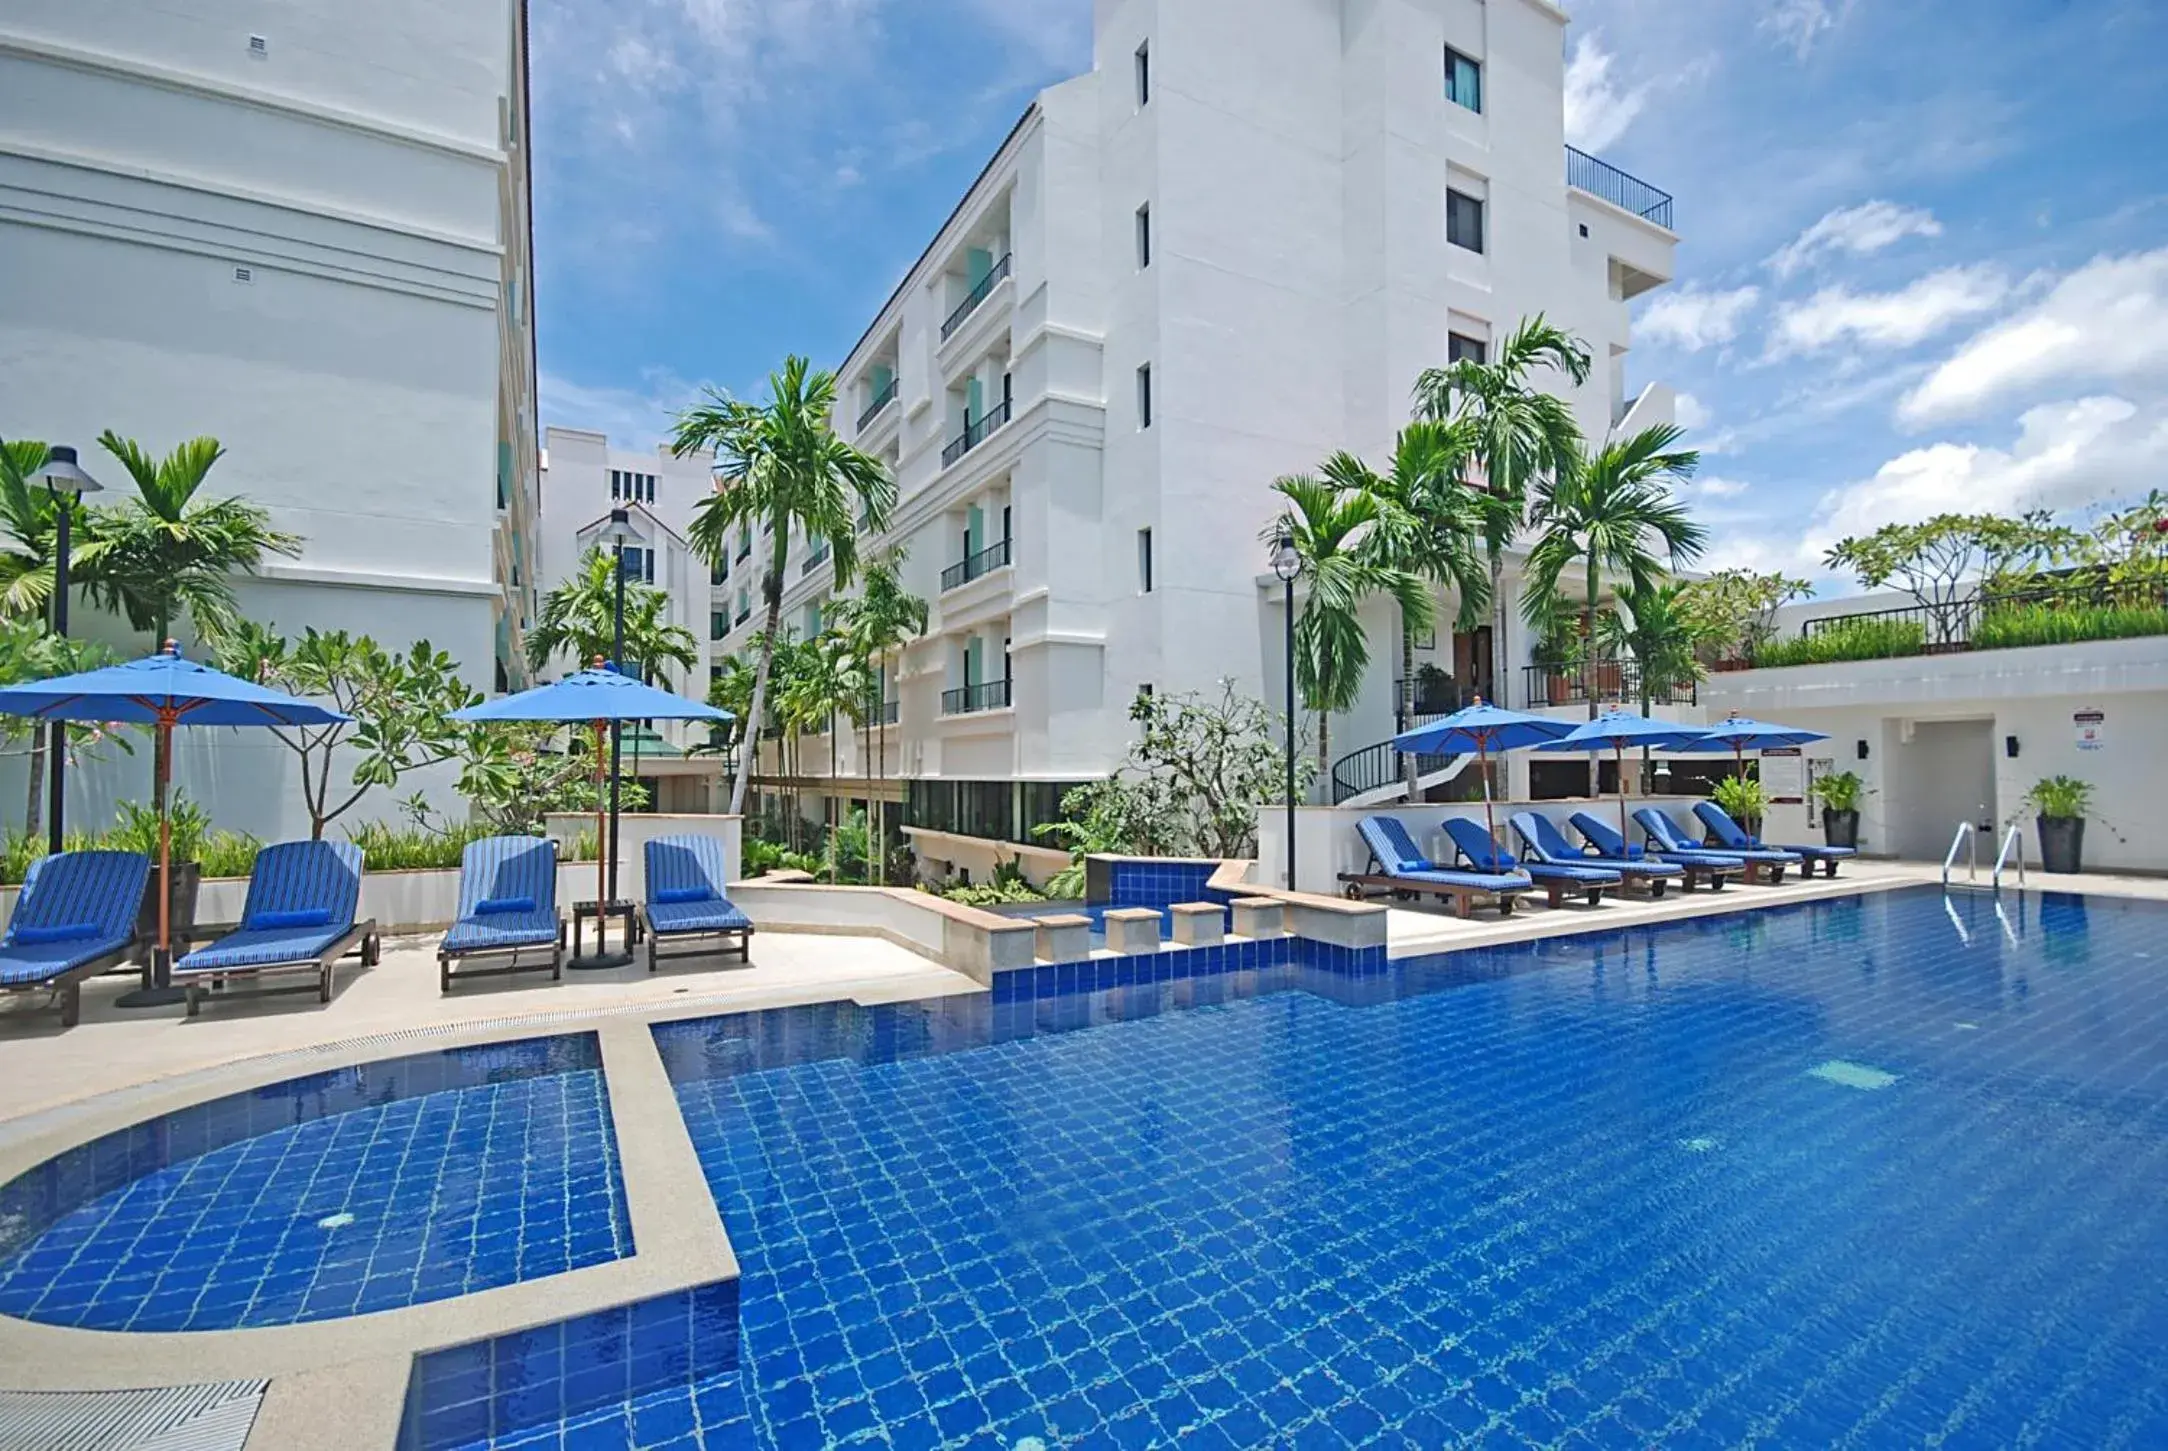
<point>1731,836</point>
<point>1483,854</point>
<point>1405,872</point>
<point>1700,866</point>
<point>507,911</point>
<point>1546,843</point>
<point>299,918</point>
<point>686,902</point>
<point>75,918</point>
<point>1670,842</point>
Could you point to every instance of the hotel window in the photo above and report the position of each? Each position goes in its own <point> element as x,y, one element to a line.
<point>1144,396</point>
<point>1144,561</point>
<point>718,624</point>
<point>1144,237</point>
<point>1463,220</point>
<point>1144,75</point>
<point>1460,348</point>
<point>1463,80</point>
<point>617,483</point>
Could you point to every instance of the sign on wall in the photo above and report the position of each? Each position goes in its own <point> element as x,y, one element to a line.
<point>1784,776</point>
<point>2092,729</point>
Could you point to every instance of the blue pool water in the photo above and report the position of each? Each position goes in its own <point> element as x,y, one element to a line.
<point>346,1192</point>
<point>1869,1172</point>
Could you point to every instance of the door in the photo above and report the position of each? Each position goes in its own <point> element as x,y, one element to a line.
<point>1472,663</point>
<point>1945,774</point>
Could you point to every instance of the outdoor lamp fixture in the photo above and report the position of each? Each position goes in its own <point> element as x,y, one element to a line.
<point>617,534</point>
<point>1287,564</point>
<point>64,478</point>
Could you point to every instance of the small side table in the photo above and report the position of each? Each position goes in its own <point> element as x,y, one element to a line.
<point>598,913</point>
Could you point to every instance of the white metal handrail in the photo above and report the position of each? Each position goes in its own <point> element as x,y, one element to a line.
<point>1965,829</point>
<point>2012,842</point>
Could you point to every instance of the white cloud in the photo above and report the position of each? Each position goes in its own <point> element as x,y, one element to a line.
<point>634,418</point>
<point>1690,411</point>
<point>1693,319</point>
<point>1868,227</point>
<point>1717,487</point>
<point>1693,415</point>
<point>1597,110</point>
<point>2106,322</point>
<point>1899,319</point>
<point>1798,24</point>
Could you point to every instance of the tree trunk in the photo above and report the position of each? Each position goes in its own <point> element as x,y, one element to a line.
<point>1404,706</point>
<point>835,852</point>
<point>1324,753</point>
<point>1588,638</point>
<point>34,808</point>
<point>771,589</point>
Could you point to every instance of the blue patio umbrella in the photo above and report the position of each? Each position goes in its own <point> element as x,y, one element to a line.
<point>1480,728</point>
<point>600,695</point>
<point>1741,735</point>
<point>162,691</point>
<point>1621,729</point>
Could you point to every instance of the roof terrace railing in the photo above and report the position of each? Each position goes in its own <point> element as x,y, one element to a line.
<point>1622,189</point>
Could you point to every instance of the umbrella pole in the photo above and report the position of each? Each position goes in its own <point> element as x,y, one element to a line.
<point>1618,757</point>
<point>158,990</point>
<point>1490,822</point>
<point>602,851</point>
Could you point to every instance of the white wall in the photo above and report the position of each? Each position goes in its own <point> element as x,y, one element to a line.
<point>367,372</point>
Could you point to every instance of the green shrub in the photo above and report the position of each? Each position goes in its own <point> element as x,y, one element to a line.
<point>1860,639</point>
<point>388,848</point>
<point>997,893</point>
<point>2006,626</point>
<point>1841,790</point>
<point>763,856</point>
<point>2061,798</point>
<point>1742,799</point>
<point>228,853</point>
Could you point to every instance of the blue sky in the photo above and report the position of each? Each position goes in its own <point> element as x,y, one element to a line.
<point>1924,258</point>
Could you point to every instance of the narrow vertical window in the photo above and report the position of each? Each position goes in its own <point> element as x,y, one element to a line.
<point>1463,80</point>
<point>1144,396</point>
<point>1144,561</point>
<point>1144,75</point>
<point>1144,237</point>
<point>1464,220</point>
<point>1460,348</point>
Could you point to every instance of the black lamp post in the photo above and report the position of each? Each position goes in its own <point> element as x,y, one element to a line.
<point>64,478</point>
<point>1287,564</point>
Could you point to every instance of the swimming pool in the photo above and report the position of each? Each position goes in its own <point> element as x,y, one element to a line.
<point>1873,1170</point>
<point>361,1189</point>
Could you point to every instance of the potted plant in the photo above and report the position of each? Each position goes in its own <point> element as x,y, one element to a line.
<point>1840,793</point>
<point>1743,801</point>
<point>1557,654</point>
<point>138,831</point>
<point>2062,804</point>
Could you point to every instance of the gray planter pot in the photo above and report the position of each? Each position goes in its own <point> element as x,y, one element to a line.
<point>187,882</point>
<point>2062,843</point>
<point>1840,828</point>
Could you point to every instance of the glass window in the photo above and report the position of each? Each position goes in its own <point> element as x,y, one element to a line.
<point>1463,220</point>
<point>1144,396</point>
<point>1460,348</point>
<point>1144,236</point>
<point>1463,80</point>
<point>616,482</point>
<point>1144,75</point>
<point>1144,561</point>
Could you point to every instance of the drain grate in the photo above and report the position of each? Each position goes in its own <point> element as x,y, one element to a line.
<point>214,1417</point>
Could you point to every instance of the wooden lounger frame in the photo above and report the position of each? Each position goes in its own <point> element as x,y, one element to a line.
<point>1362,884</point>
<point>735,942</point>
<point>361,937</point>
<point>555,961</point>
<point>67,987</point>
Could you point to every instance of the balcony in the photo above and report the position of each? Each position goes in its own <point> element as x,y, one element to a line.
<point>880,401</point>
<point>986,561</point>
<point>971,699</point>
<point>975,434</point>
<point>1615,681</point>
<point>814,560</point>
<point>891,712</point>
<point>978,295</point>
<point>1601,179</point>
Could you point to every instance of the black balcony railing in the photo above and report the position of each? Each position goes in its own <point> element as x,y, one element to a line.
<point>891,711</point>
<point>1614,681</point>
<point>974,297</point>
<point>986,561</point>
<point>975,433</point>
<point>969,699</point>
<point>1622,189</point>
<point>880,400</point>
<point>814,560</point>
<point>1375,767</point>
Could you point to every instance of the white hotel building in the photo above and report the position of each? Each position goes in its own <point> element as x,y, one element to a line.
<point>1224,253</point>
<point>302,229</point>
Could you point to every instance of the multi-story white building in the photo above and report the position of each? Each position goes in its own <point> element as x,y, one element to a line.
<point>584,483</point>
<point>304,230</point>
<point>1225,253</point>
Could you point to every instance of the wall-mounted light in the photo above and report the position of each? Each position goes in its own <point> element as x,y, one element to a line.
<point>2009,747</point>
<point>1860,750</point>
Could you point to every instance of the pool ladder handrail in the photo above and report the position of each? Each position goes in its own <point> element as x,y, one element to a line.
<point>2012,842</point>
<point>1965,829</point>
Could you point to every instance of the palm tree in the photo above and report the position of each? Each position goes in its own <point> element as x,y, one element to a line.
<point>1330,529</point>
<point>1656,626</point>
<point>1428,522</point>
<point>732,690</point>
<point>1611,512</point>
<point>781,464</point>
<point>881,619</point>
<point>579,618</point>
<point>828,686</point>
<point>1520,433</point>
<point>163,553</point>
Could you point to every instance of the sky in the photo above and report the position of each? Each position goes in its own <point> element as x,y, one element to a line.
<point>1923,260</point>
